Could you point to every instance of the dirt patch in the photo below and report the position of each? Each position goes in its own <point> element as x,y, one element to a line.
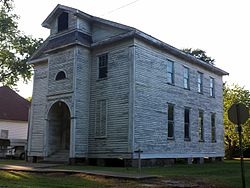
<point>163,182</point>
<point>56,174</point>
<point>177,183</point>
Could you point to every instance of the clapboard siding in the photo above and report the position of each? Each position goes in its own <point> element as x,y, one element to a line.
<point>153,93</point>
<point>114,89</point>
<point>136,94</point>
<point>101,32</point>
<point>17,129</point>
<point>82,97</point>
<point>38,108</point>
<point>61,61</point>
<point>72,24</point>
<point>84,26</point>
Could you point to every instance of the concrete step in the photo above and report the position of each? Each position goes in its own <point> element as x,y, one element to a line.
<point>59,156</point>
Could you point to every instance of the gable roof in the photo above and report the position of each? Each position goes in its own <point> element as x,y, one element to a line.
<point>58,10</point>
<point>129,32</point>
<point>62,8</point>
<point>12,105</point>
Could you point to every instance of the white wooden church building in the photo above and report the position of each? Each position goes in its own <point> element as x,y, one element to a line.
<point>103,90</point>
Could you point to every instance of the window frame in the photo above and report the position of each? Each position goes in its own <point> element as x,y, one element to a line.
<point>63,22</point>
<point>213,128</point>
<point>102,67</point>
<point>187,124</point>
<point>186,77</point>
<point>201,125</point>
<point>57,74</point>
<point>211,87</point>
<point>170,121</point>
<point>170,72</point>
<point>6,133</point>
<point>200,82</point>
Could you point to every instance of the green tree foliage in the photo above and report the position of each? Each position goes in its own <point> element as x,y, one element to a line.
<point>15,47</point>
<point>7,3</point>
<point>235,94</point>
<point>29,99</point>
<point>199,54</point>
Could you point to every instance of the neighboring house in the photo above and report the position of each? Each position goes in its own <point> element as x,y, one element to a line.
<point>14,111</point>
<point>103,90</point>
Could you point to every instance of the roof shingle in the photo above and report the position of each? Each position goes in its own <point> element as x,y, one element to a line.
<point>12,105</point>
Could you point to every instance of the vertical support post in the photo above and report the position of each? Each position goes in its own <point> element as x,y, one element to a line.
<point>189,160</point>
<point>241,150</point>
<point>139,151</point>
<point>139,160</point>
<point>241,157</point>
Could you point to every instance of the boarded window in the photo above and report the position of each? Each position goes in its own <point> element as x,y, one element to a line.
<point>186,124</point>
<point>170,72</point>
<point>103,66</point>
<point>200,126</point>
<point>63,21</point>
<point>101,118</point>
<point>213,128</point>
<point>170,121</point>
<point>60,75</point>
<point>186,78</point>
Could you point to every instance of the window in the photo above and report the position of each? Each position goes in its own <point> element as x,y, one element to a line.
<point>211,87</point>
<point>200,126</point>
<point>170,72</point>
<point>186,124</point>
<point>62,21</point>
<point>103,66</point>
<point>200,82</point>
<point>186,78</point>
<point>170,121</point>
<point>4,134</point>
<point>101,118</point>
<point>213,129</point>
<point>60,75</point>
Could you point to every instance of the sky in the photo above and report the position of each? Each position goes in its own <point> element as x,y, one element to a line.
<point>219,27</point>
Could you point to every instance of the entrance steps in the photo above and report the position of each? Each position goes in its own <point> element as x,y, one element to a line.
<point>60,156</point>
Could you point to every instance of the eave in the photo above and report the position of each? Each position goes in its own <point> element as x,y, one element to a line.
<point>129,32</point>
<point>162,46</point>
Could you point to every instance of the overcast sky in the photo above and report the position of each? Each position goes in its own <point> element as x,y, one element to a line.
<point>220,27</point>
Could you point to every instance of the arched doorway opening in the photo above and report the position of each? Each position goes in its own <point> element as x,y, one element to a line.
<point>59,130</point>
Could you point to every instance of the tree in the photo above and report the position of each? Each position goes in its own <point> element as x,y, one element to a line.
<point>199,54</point>
<point>235,94</point>
<point>6,3</point>
<point>29,99</point>
<point>15,47</point>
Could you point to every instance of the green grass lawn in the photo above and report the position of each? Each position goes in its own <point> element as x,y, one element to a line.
<point>221,174</point>
<point>227,173</point>
<point>10,162</point>
<point>23,179</point>
<point>16,179</point>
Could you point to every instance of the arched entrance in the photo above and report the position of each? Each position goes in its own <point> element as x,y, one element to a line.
<point>59,131</point>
